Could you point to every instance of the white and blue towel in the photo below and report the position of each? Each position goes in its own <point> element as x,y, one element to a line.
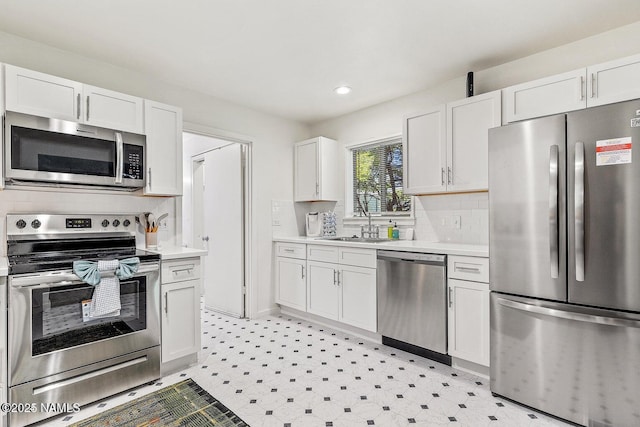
<point>104,276</point>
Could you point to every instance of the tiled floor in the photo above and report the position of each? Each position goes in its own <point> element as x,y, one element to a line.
<point>280,371</point>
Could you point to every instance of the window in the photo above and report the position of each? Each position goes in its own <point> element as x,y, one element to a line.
<point>377,179</point>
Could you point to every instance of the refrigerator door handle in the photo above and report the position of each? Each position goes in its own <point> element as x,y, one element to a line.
<point>579,210</point>
<point>554,252</point>
<point>570,315</point>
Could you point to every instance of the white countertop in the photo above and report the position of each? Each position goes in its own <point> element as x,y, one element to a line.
<point>4,266</point>
<point>177,252</point>
<point>399,245</point>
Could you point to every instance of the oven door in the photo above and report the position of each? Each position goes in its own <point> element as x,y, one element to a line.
<point>57,151</point>
<point>49,334</point>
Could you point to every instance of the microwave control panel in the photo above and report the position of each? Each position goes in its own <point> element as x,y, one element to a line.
<point>133,162</point>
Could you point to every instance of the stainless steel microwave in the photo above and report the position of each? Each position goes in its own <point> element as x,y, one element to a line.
<point>43,150</point>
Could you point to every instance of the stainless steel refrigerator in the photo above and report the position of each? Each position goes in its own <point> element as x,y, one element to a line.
<point>564,209</point>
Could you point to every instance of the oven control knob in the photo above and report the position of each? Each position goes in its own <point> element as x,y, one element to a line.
<point>36,223</point>
<point>21,224</point>
<point>126,223</point>
<point>105,223</point>
<point>116,222</point>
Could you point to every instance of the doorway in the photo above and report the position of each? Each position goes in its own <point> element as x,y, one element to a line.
<point>216,217</point>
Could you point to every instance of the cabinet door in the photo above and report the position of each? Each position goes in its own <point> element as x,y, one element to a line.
<point>306,165</point>
<point>322,289</point>
<point>425,155</point>
<point>112,110</point>
<point>358,300</point>
<point>163,127</point>
<point>291,287</point>
<point>180,319</point>
<point>40,94</point>
<point>614,81</point>
<point>543,97</point>
<point>469,321</point>
<point>468,124</point>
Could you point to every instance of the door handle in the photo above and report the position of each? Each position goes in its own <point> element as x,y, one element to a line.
<point>450,296</point>
<point>302,271</point>
<point>335,281</point>
<point>579,210</point>
<point>554,252</point>
<point>449,176</point>
<point>149,178</point>
<point>594,88</point>
<point>78,107</point>
<point>581,88</point>
<point>87,107</point>
<point>570,315</point>
<point>443,177</point>
<point>119,158</point>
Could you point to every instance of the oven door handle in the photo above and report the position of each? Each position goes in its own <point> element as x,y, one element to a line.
<point>65,278</point>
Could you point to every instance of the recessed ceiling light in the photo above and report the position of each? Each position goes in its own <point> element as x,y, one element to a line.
<point>342,90</point>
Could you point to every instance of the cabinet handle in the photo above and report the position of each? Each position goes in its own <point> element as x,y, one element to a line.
<point>149,178</point>
<point>335,281</point>
<point>449,176</point>
<point>302,271</point>
<point>78,107</point>
<point>581,89</point>
<point>443,177</point>
<point>338,278</point>
<point>87,107</point>
<point>450,297</point>
<point>188,270</point>
<point>288,250</point>
<point>317,188</point>
<point>166,302</point>
<point>593,85</point>
<point>468,269</point>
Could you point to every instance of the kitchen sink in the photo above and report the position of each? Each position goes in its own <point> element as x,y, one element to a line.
<point>357,239</point>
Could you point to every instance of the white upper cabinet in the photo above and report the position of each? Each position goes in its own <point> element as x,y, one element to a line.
<point>40,94</point>
<point>113,110</point>
<point>316,171</point>
<point>424,148</point>
<point>163,125</point>
<point>613,81</point>
<point>446,148</point>
<point>543,97</point>
<point>606,83</point>
<point>468,123</point>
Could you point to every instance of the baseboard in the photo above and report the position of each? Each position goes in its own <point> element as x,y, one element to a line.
<point>268,312</point>
<point>470,367</point>
<point>341,327</point>
<point>178,364</point>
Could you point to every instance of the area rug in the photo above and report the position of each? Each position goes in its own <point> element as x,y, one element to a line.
<point>181,404</point>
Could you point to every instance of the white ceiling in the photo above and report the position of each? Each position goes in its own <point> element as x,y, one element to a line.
<point>285,57</point>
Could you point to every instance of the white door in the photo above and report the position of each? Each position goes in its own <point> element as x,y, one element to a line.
<point>322,289</point>
<point>306,171</point>
<point>358,299</point>
<point>291,288</point>
<point>224,225</point>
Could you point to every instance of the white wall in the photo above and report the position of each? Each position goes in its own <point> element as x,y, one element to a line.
<point>272,138</point>
<point>434,213</point>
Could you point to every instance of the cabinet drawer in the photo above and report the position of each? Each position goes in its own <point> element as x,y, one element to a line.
<point>322,253</point>
<point>357,257</point>
<point>291,250</point>
<point>180,270</point>
<point>469,268</point>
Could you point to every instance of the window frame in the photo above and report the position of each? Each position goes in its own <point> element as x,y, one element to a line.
<point>352,217</point>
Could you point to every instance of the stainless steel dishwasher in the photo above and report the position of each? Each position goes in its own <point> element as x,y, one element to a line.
<point>412,303</point>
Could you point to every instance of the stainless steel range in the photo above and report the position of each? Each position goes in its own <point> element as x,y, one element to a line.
<point>58,354</point>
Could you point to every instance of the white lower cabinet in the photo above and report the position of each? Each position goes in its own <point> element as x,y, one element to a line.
<point>291,275</point>
<point>344,291</point>
<point>180,306</point>
<point>468,319</point>
<point>291,289</point>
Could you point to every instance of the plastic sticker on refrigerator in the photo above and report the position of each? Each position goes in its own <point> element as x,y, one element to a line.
<point>616,151</point>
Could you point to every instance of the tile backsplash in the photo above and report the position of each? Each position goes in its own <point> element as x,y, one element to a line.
<point>454,218</point>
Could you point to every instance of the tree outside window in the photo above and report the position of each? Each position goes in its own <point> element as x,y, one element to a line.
<point>378,181</point>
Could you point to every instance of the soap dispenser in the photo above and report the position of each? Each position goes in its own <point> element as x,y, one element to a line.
<point>395,232</point>
<point>390,230</point>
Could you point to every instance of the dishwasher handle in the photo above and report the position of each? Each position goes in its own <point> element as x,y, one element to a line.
<point>415,257</point>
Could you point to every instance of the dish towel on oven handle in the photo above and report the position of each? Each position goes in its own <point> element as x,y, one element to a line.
<point>106,296</point>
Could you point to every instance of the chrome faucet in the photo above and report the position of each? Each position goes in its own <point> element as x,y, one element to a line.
<point>369,231</point>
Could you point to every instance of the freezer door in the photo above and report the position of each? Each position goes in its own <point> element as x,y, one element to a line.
<point>577,363</point>
<point>527,226</point>
<point>604,206</point>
